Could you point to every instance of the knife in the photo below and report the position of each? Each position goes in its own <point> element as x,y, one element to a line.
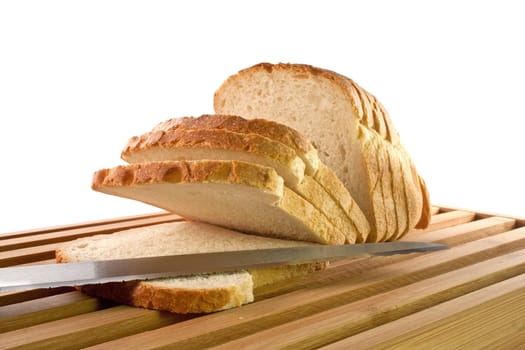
<point>119,270</point>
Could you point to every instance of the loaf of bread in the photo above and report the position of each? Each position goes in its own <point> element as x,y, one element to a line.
<point>184,294</point>
<point>255,141</point>
<point>295,155</point>
<point>351,130</point>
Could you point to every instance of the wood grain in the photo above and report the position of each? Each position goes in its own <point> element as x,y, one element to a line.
<point>423,324</point>
<point>468,296</point>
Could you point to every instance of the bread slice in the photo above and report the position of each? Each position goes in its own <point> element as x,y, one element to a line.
<point>325,192</point>
<point>262,127</point>
<point>415,199</point>
<point>387,188</point>
<point>399,192</point>
<point>370,193</point>
<point>183,294</point>
<point>328,109</point>
<point>244,196</point>
<point>193,144</point>
<point>331,183</point>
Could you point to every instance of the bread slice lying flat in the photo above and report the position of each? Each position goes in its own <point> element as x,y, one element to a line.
<point>183,294</point>
<point>244,196</point>
<point>323,189</point>
<point>329,109</point>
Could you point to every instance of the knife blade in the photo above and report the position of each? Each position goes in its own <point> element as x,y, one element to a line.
<point>119,270</point>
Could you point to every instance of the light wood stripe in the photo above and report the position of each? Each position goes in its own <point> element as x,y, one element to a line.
<point>38,231</point>
<point>396,333</point>
<point>25,250</point>
<point>84,330</point>
<point>65,235</point>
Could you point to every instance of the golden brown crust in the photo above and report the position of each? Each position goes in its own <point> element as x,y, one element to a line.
<point>426,214</point>
<point>414,197</point>
<point>233,172</point>
<point>59,256</point>
<point>391,133</point>
<point>366,112</point>
<point>209,139</point>
<point>176,300</point>
<point>270,129</point>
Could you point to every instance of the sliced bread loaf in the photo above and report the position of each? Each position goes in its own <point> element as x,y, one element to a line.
<point>324,190</point>
<point>183,294</point>
<point>329,108</point>
<point>244,196</point>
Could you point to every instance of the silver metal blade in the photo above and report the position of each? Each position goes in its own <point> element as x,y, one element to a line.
<point>101,271</point>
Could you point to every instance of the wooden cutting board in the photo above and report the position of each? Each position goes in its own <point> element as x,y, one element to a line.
<point>467,297</point>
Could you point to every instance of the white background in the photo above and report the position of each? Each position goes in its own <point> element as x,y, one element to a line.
<point>78,78</point>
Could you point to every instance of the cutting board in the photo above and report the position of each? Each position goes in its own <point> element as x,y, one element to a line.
<point>467,297</point>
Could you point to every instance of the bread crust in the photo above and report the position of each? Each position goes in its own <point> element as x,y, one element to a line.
<point>267,128</point>
<point>213,139</point>
<point>414,197</point>
<point>209,171</point>
<point>262,127</point>
<point>426,216</point>
<point>176,300</point>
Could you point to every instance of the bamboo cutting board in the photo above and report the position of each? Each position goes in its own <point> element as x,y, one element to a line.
<point>470,296</point>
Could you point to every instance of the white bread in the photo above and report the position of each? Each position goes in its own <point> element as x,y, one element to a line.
<point>324,190</point>
<point>267,128</point>
<point>183,294</point>
<point>329,108</point>
<point>196,144</point>
<point>244,196</point>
